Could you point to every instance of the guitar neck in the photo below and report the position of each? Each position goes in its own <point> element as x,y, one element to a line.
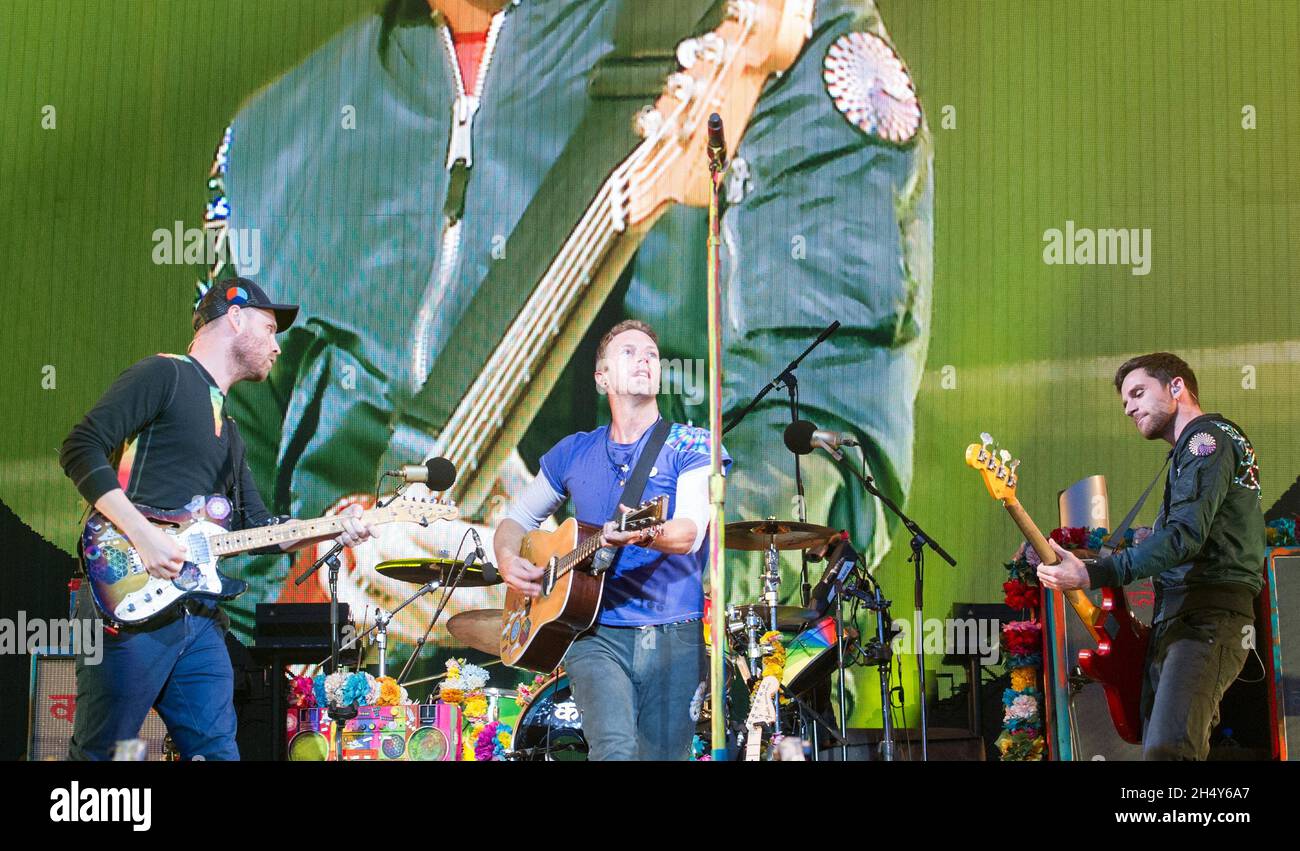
<point>504,398</point>
<point>1083,607</point>
<point>290,532</point>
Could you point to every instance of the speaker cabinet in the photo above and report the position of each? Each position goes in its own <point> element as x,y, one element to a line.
<point>53,705</point>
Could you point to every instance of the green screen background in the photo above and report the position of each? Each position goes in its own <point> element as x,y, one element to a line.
<point>1109,114</point>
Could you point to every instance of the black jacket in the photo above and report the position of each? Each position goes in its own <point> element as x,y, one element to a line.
<point>1207,548</point>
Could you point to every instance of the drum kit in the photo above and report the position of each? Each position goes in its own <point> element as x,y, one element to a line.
<point>548,723</point>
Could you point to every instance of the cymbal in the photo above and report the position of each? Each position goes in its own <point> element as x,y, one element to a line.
<point>480,629</point>
<point>419,571</point>
<point>783,534</point>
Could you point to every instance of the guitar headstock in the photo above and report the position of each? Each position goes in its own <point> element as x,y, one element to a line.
<point>422,510</point>
<point>722,71</point>
<point>762,706</point>
<point>652,512</point>
<point>996,466</point>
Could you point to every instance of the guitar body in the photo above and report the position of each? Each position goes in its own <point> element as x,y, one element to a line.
<point>537,632</point>
<point>1118,664</point>
<point>125,593</point>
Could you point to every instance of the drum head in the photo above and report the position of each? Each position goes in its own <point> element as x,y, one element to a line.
<point>550,728</point>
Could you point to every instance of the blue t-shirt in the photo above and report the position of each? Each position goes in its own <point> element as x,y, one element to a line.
<point>645,586</point>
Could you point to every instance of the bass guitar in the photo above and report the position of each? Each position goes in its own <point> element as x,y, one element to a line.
<point>1121,650</point>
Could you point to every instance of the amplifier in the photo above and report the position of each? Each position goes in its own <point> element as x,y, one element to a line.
<point>53,704</point>
<point>295,625</point>
<point>417,732</point>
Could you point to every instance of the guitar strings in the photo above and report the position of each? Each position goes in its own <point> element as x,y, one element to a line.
<point>590,249</point>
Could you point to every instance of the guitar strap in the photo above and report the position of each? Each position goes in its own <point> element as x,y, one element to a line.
<point>606,557</point>
<point>628,77</point>
<point>635,485</point>
<point>1118,535</point>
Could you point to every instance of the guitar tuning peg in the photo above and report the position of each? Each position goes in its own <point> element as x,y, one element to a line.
<point>1004,455</point>
<point>986,439</point>
<point>687,52</point>
<point>1013,465</point>
<point>711,47</point>
<point>648,122</point>
<point>682,86</point>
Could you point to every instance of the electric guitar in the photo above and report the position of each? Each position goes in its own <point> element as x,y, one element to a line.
<point>1121,650</point>
<point>762,713</point>
<point>126,594</point>
<point>722,71</point>
<point>536,632</point>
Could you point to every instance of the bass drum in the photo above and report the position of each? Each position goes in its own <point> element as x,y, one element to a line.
<point>550,727</point>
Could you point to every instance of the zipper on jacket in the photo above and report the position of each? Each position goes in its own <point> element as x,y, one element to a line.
<point>460,159</point>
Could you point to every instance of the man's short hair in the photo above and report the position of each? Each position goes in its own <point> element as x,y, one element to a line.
<point>625,325</point>
<point>1162,366</point>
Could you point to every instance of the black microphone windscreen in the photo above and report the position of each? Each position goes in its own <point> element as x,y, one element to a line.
<point>490,574</point>
<point>798,437</point>
<point>442,474</point>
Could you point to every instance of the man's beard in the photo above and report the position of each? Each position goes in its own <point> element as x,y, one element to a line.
<point>250,365</point>
<point>1155,423</point>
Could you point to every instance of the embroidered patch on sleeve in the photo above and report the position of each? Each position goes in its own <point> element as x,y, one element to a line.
<point>869,85</point>
<point>1202,444</point>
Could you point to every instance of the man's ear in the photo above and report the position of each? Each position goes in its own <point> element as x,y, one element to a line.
<point>1176,386</point>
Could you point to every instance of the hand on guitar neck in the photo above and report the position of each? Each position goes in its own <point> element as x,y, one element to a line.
<point>1068,574</point>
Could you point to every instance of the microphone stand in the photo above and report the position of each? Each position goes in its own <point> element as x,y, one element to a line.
<point>717,483</point>
<point>337,713</point>
<point>787,380</point>
<point>920,540</point>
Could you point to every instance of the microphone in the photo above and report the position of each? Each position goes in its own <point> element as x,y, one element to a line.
<point>802,436</point>
<point>487,568</point>
<point>717,144</point>
<point>438,473</point>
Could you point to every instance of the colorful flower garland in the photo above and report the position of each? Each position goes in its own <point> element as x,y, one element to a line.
<point>1281,532</point>
<point>1022,723</point>
<point>343,688</point>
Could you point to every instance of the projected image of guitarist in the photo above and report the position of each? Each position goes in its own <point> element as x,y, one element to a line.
<point>163,423</point>
<point>1206,556</point>
<point>634,674</point>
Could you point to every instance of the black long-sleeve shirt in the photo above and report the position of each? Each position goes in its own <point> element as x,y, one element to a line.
<point>160,433</point>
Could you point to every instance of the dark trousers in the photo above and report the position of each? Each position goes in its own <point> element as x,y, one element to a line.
<point>1193,657</point>
<point>634,686</point>
<point>179,666</point>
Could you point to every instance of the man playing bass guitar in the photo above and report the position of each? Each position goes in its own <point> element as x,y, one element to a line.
<point>1206,555</point>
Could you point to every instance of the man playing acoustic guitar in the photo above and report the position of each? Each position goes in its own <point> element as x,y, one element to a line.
<point>1206,554</point>
<point>163,422</point>
<point>634,673</point>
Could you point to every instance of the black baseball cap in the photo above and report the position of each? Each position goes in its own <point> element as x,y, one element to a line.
<point>241,292</point>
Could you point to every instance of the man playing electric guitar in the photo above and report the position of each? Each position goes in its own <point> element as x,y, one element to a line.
<point>1206,554</point>
<point>163,421</point>
<point>634,673</point>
